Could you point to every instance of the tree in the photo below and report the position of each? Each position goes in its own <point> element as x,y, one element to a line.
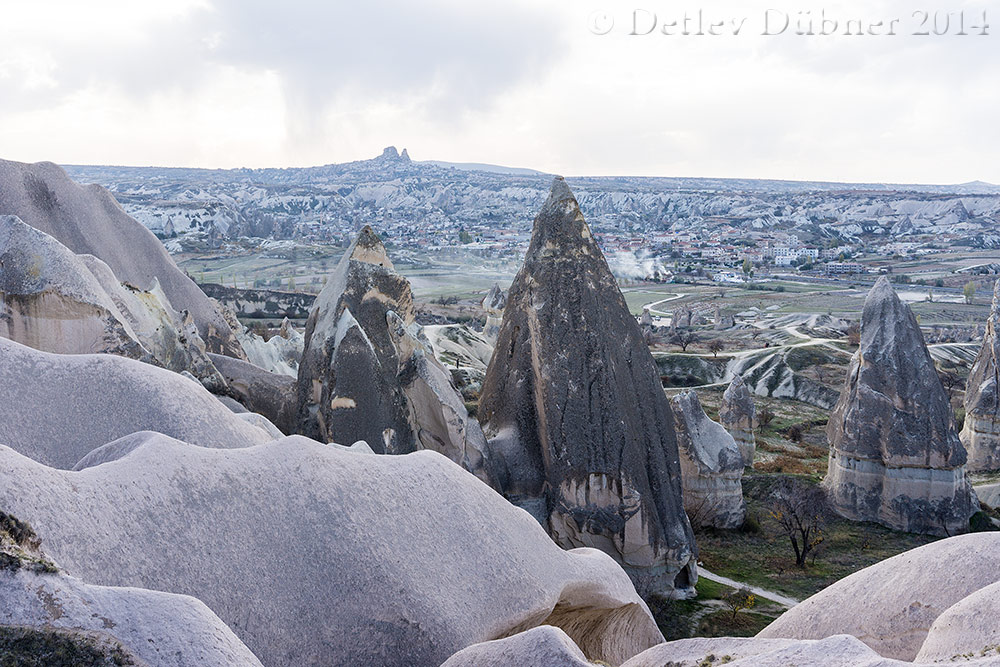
<point>739,599</point>
<point>748,267</point>
<point>795,432</point>
<point>854,333</point>
<point>951,382</point>
<point>801,510</point>
<point>464,237</point>
<point>682,339</point>
<point>969,291</point>
<point>715,346</point>
<point>764,416</point>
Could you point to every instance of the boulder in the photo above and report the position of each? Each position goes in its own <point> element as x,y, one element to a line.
<point>981,432</point>
<point>88,220</point>
<point>895,456</point>
<point>737,414</point>
<point>581,433</point>
<point>316,554</point>
<point>368,373</point>
<point>711,466</point>
<point>544,646</point>
<point>892,605</point>
<point>57,408</point>
<point>493,303</point>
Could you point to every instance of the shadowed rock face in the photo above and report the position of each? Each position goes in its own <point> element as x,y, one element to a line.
<point>368,373</point>
<point>711,466</point>
<point>347,378</point>
<point>981,432</point>
<point>737,414</point>
<point>895,456</point>
<point>88,220</point>
<point>581,433</point>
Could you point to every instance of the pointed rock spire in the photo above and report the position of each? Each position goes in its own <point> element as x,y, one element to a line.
<point>575,411</point>
<point>981,432</point>
<point>737,415</point>
<point>895,456</point>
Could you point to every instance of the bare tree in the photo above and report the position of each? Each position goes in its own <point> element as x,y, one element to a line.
<point>739,599</point>
<point>764,416</point>
<point>683,339</point>
<point>801,511</point>
<point>951,382</point>
<point>715,346</point>
<point>854,334</point>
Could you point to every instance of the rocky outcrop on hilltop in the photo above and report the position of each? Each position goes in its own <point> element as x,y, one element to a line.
<point>981,432</point>
<point>581,433</point>
<point>736,414</point>
<point>895,456</point>
<point>711,466</point>
<point>88,220</point>
<point>318,555</point>
<point>368,373</point>
<point>281,353</point>
<point>57,408</point>
<point>493,303</point>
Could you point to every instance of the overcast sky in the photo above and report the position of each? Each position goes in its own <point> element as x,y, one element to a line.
<point>531,83</point>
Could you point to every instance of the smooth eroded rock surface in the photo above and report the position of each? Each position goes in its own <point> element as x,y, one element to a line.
<point>317,555</point>
<point>57,408</point>
<point>161,629</point>
<point>581,433</point>
<point>544,646</point>
<point>895,456</point>
<point>892,605</point>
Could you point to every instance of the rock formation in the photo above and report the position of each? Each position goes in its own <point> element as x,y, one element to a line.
<point>493,303</point>
<point>315,554</point>
<point>581,433</point>
<point>55,301</point>
<point>88,220</point>
<point>57,408</point>
<point>737,415</point>
<point>544,646</point>
<point>981,432</point>
<point>273,395</point>
<point>279,354</point>
<point>895,456</point>
<point>50,610</point>
<point>367,372</point>
<point>463,352</point>
<point>711,466</point>
<point>892,605</point>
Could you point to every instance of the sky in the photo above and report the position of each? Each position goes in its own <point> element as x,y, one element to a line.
<point>576,87</point>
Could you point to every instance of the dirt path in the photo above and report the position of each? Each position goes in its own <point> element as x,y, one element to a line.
<point>783,600</point>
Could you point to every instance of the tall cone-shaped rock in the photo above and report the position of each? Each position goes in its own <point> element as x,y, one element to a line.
<point>895,456</point>
<point>367,373</point>
<point>347,378</point>
<point>582,435</point>
<point>981,432</point>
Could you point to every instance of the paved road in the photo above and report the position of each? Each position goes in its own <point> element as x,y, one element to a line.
<point>759,592</point>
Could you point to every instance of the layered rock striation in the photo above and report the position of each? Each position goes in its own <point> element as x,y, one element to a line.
<point>895,455</point>
<point>581,433</point>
